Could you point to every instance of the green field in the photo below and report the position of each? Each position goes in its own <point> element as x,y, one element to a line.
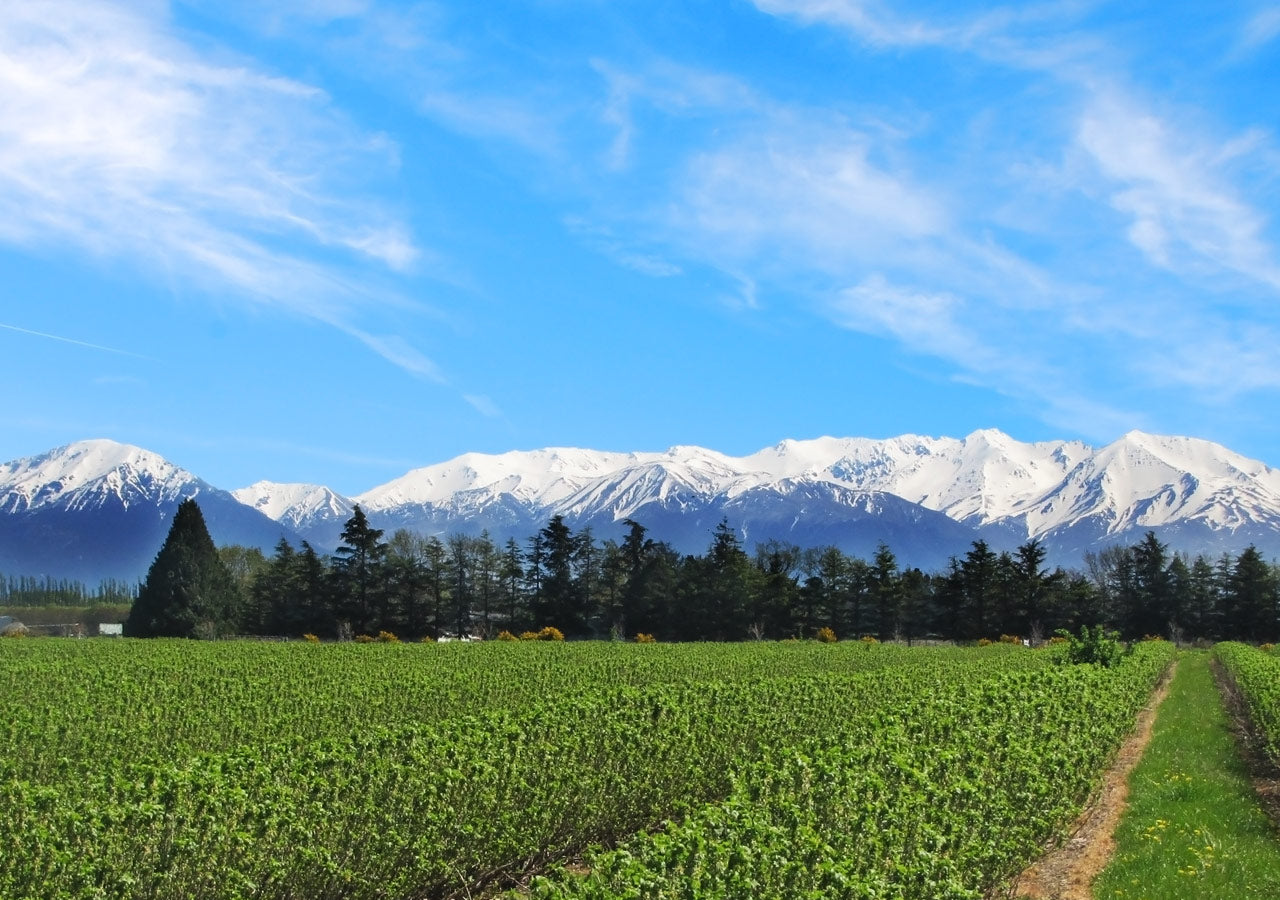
<point>179,769</point>
<point>1193,828</point>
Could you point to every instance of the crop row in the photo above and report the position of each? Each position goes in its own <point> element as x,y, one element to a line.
<point>1257,675</point>
<point>70,705</point>
<point>952,795</point>
<point>438,809</point>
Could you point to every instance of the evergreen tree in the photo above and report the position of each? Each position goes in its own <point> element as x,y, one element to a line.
<point>510,577</point>
<point>977,576</point>
<point>886,590</point>
<point>465,580</point>
<point>408,582</point>
<point>560,600</point>
<point>1252,598</point>
<point>1149,611</point>
<point>1202,606</point>
<point>188,592</point>
<point>272,597</point>
<point>487,581</point>
<point>721,584</point>
<point>436,562</point>
<point>1032,588</point>
<point>312,606</point>
<point>775,604</point>
<point>360,576</point>
<point>634,555</point>
<point>917,592</point>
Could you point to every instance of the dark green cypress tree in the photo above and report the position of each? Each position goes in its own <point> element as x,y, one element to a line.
<point>188,591</point>
<point>360,576</point>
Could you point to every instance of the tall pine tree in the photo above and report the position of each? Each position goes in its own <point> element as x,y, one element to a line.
<point>360,576</point>
<point>188,591</point>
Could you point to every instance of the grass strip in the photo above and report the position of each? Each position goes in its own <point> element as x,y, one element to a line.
<point>1194,828</point>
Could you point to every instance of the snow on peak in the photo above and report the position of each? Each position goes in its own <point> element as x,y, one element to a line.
<point>531,476</point>
<point>89,471</point>
<point>1143,480</point>
<point>294,503</point>
<point>1138,481</point>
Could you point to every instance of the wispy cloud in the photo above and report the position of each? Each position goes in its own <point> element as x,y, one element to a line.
<point>119,381</point>
<point>118,138</point>
<point>1016,298</point>
<point>1184,213</point>
<point>399,352</point>
<point>926,321</point>
<point>483,405</point>
<point>865,18</point>
<point>794,189</point>
<point>987,32</point>
<point>985,343</point>
<point>1261,29</point>
<point>628,253</point>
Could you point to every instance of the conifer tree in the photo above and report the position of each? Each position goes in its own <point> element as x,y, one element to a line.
<point>188,591</point>
<point>360,575</point>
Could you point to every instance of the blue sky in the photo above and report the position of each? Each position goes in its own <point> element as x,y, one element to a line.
<point>330,241</point>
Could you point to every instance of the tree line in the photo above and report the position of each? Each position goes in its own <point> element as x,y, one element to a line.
<point>26,590</point>
<point>417,586</point>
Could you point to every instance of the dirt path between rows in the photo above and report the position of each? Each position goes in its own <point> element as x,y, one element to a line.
<point>1067,872</point>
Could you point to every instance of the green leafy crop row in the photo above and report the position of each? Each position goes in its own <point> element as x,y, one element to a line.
<point>524,755</point>
<point>1257,674</point>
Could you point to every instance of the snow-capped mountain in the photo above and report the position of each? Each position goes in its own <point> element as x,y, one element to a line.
<point>311,511</point>
<point>927,498</point>
<point>98,509</point>
<point>88,474</point>
<point>1198,496</point>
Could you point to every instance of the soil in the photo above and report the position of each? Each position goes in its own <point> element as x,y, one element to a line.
<point>1067,872</point>
<point>1262,771</point>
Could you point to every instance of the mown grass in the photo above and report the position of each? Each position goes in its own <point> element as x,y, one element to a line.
<point>1193,828</point>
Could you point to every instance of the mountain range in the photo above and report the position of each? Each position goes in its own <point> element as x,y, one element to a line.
<point>97,508</point>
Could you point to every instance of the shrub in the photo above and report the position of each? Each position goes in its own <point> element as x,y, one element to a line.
<point>643,638</point>
<point>505,635</point>
<point>1010,639</point>
<point>426,639</point>
<point>826,635</point>
<point>868,639</point>
<point>386,637</point>
<point>528,635</point>
<point>984,642</point>
<point>551,633</point>
<point>363,639</point>
<point>1093,645</point>
<point>310,638</point>
<point>1267,648</point>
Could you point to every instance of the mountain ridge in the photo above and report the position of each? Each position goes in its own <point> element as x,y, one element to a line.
<point>928,498</point>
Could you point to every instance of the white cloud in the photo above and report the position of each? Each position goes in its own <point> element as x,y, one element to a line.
<point>629,254</point>
<point>1185,215</point>
<point>816,196</point>
<point>866,19</point>
<point>925,321</point>
<point>482,404</point>
<point>1011,354</point>
<point>399,352</point>
<point>1261,29</point>
<point>118,138</point>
